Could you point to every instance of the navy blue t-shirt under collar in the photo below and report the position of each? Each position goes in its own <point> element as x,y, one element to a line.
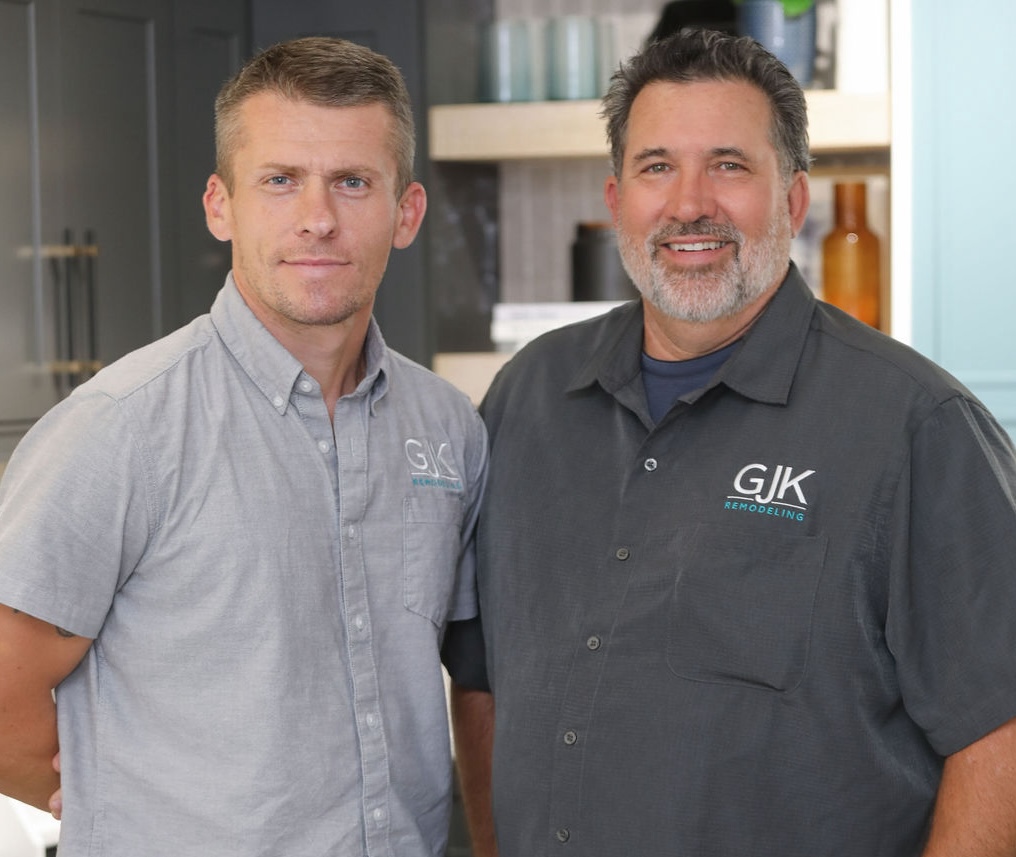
<point>667,380</point>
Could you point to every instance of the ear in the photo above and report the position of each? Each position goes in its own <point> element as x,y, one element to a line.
<point>218,213</point>
<point>409,216</point>
<point>610,197</point>
<point>799,200</point>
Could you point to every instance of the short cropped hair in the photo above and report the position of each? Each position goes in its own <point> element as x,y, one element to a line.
<point>327,72</point>
<point>701,55</point>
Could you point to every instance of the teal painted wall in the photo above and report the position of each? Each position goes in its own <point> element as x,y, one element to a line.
<point>964,194</point>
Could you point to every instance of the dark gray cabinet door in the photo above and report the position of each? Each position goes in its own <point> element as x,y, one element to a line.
<point>115,142</point>
<point>85,202</point>
<point>106,130</point>
<point>26,386</point>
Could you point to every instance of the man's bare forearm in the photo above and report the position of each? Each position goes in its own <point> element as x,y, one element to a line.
<point>26,760</point>
<point>975,814</point>
<point>473,721</point>
<point>34,657</point>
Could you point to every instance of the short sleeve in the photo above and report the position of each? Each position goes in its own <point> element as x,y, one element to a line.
<point>464,655</point>
<point>464,603</point>
<point>953,584</point>
<point>74,514</point>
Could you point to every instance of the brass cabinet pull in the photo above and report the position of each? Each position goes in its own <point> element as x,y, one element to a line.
<point>74,297</point>
<point>75,367</point>
<point>60,251</point>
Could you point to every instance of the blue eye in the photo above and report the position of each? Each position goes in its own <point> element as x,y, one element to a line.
<point>353,182</point>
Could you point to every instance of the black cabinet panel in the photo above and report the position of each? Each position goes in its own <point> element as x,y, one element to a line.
<point>212,40</point>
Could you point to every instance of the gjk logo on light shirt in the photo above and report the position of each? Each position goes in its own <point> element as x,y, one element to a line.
<point>778,493</point>
<point>432,465</point>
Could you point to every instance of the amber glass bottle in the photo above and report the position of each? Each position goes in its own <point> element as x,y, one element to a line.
<point>851,257</point>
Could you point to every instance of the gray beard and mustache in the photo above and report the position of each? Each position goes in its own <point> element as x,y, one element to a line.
<point>713,291</point>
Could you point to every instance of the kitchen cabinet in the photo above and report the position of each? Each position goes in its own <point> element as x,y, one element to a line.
<point>91,132</point>
<point>82,276</point>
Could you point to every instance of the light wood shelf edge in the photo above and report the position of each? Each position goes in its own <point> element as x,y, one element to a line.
<point>471,371</point>
<point>839,122</point>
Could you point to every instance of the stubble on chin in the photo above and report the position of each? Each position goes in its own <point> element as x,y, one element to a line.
<point>322,311</point>
<point>312,302</point>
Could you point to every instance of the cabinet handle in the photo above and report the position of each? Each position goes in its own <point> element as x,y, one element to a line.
<point>59,251</point>
<point>74,290</point>
<point>91,341</point>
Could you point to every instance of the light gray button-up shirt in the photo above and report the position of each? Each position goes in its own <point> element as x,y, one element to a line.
<point>267,591</point>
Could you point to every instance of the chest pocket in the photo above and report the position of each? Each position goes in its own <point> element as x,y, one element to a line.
<point>742,607</point>
<point>431,547</point>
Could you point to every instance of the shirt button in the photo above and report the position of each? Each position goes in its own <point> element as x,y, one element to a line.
<point>372,721</point>
<point>570,737</point>
<point>563,834</point>
<point>622,554</point>
<point>379,815</point>
<point>359,623</point>
<point>650,464</point>
<point>306,386</point>
<point>323,445</point>
<point>593,643</point>
<point>278,401</point>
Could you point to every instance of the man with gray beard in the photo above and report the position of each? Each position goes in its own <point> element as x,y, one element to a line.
<point>746,565</point>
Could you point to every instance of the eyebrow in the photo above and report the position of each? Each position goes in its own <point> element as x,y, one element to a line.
<point>292,169</point>
<point>718,152</point>
<point>649,154</point>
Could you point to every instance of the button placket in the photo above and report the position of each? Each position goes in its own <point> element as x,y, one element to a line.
<point>351,472</point>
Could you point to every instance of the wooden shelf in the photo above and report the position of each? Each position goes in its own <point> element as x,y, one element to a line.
<point>838,123</point>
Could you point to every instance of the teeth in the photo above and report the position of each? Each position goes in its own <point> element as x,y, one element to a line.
<point>701,245</point>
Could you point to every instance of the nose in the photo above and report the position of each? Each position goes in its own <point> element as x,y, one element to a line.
<point>317,210</point>
<point>690,196</point>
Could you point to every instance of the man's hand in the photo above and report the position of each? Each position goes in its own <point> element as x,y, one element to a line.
<point>56,799</point>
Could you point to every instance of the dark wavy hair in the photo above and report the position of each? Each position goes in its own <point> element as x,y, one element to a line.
<point>697,55</point>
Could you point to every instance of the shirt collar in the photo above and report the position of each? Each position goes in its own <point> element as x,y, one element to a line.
<point>272,369</point>
<point>762,369</point>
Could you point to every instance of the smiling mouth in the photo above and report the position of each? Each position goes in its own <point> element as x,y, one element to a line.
<point>697,246</point>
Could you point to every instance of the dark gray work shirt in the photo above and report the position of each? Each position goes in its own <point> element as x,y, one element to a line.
<point>756,627</point>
